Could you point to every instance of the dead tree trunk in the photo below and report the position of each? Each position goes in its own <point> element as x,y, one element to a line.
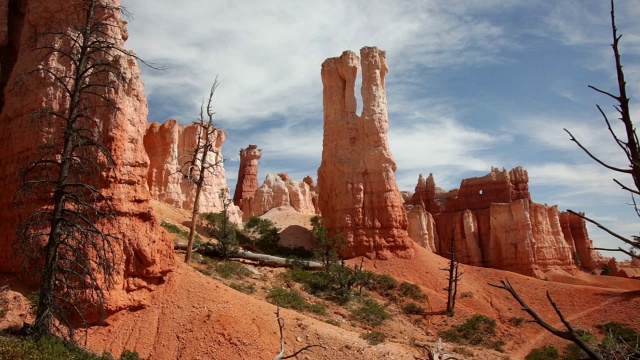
<point>199,166</point>
<point>454,277</point>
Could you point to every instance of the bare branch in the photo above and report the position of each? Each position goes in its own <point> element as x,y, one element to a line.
<point>570,334</point>
<point>626,171</point>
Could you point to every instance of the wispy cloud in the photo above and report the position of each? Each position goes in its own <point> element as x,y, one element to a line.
<point>445,59</point>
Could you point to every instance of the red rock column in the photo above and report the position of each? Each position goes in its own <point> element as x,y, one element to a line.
<point>247,174</point>
<point>145,253</point>
<point>358,195</point>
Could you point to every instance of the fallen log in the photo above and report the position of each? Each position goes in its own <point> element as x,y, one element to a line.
<point>262,259</point>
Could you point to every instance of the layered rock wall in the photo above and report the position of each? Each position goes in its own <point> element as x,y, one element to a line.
<point>279,190</point>
<point>168,146</point>
<point>495,224</point>
<point>358,195</point>
<point>144,254</point>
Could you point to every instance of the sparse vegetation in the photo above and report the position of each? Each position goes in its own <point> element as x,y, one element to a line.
<point>413,309</point>
<point>292,299</point>
<point>374,337</point>
<point>547,352</point>
<point>477,330</point>
<point>466,294</point>
<point>383,284</point>
<point>619,340</point>
<point>52,349</point>
<point>219,226</point>
<point>232,270</point>
<point>516,321</point>
<point>243,288</point>
<point>606,270</point>
<point>205,272</point>
<point>411,290</point>
<point>175,229</point>
<point>371,313</point>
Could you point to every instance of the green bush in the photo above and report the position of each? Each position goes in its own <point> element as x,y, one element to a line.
<point>335,283</point>
<point>374,337</point>
<point>292,299</point>
<point>477,330</point>
<point>411,290</point>
<point>243,288</point>
<point>225,231</point>
<point>383,284</point>
<point>547,352</point>
<point>289,299</point>
<point>232,270</point>
<point>618,332</point>
<point>413,309</point>
<point>516,321</point>
<point>372,313</point>
<point>52,349</point>
<point>175,229</point>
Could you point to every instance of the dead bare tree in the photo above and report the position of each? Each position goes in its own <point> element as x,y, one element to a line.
<point>570,334</point>
<point>280,355</point>
<point>68,236</point>
<point>453,278</point>
<point>202,161</point>
<point>628,144</point>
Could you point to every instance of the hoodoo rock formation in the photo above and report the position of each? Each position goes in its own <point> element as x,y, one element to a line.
<point>495,224</point>
<point>247,174</point>
<point>575,233</point>
<point>358,195</point>
<point>280,190</point>
<point>168,146</point>
<point>145,253</point>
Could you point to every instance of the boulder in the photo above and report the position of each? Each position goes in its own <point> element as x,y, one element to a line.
<point>168,146</point>
<point>358,195</point>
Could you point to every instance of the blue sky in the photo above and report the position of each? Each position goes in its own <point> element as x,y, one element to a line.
<point>472,84</point>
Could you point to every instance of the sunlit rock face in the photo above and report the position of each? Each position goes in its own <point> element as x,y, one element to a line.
<point>247,174</point>
<point>280,190</point>
<point>358,195</point>
<point>144,253</point>
<point>575,233</point>
<point>495,224</point>
<point>169,147</point>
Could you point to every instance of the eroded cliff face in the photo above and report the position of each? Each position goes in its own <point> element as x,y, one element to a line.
<point>247,174</point>
<point>280,190</point>
<point>422,228</point>
<point>358,195</point>
<point>168,146</point>
<point>145,254</point>
<point>495,224</point>
<point>575,233</point>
